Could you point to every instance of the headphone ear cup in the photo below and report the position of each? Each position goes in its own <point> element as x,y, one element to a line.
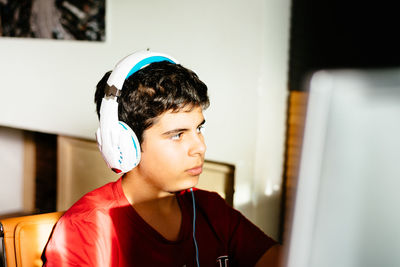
<point>128,149</point>
<point>116,140</point>
<point>122,154</point>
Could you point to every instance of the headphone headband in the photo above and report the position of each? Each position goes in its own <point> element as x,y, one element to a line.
<point>132,63</point>
<point>147,61</point>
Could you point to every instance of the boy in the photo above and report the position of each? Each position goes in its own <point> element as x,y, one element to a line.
<point>151,216</point>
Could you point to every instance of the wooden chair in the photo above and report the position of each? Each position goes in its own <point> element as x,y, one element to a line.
<point>24,238</point>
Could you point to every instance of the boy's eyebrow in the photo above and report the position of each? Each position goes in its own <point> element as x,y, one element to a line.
<point>179,130</point>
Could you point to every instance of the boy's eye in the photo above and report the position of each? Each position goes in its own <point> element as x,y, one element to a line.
<point>176,136</point>
<point>200,129</point>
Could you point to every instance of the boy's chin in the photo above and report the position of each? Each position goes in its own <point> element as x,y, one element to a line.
<point>187,185</point>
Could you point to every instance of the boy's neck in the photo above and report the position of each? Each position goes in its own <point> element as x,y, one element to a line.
<point>159,209</point>
<point>137,191</point>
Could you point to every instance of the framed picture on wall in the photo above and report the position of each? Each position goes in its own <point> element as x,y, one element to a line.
<point>53,19</point>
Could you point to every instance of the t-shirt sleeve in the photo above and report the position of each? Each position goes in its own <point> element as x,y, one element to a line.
<point>78,242</point>
<point>246,242</point>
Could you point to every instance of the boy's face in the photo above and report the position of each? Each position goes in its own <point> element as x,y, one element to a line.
<point>173,151</point>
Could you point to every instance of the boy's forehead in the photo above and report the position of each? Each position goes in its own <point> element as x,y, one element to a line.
<point>184,117</point>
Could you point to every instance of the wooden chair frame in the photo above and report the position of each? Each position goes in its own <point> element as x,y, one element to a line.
<point>24,238</point>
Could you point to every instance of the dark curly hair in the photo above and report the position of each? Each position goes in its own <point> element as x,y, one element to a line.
<point>153,90</point>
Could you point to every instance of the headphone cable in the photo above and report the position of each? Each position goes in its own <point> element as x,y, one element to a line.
<point>194,228</point>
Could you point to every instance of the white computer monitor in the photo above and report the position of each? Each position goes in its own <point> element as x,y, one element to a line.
<point>347,205</point>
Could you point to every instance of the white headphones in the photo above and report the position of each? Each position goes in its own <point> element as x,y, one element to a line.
<point>116,140</point>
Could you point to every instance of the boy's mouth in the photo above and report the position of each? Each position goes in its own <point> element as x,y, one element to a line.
<point>195,171</point>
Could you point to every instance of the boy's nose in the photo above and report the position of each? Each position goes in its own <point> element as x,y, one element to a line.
<point>198,146</point>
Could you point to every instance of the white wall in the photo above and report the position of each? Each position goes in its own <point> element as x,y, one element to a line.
<point>11,171</point>
<point>238,48</point>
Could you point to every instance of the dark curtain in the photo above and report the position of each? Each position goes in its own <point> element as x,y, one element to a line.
<point>342,34</point>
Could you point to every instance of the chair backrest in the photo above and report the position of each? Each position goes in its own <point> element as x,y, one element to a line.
<point>24,238</point>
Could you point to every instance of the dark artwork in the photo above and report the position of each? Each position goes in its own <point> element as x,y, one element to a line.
<point>53,19</point>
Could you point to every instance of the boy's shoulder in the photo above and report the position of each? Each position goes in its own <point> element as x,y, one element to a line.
<point>99,200</point>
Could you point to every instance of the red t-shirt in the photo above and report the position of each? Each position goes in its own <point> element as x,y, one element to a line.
<point>103,229</point>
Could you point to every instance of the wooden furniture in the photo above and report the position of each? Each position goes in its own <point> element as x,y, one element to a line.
<point>24,238</point>
<point>294,139</point>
